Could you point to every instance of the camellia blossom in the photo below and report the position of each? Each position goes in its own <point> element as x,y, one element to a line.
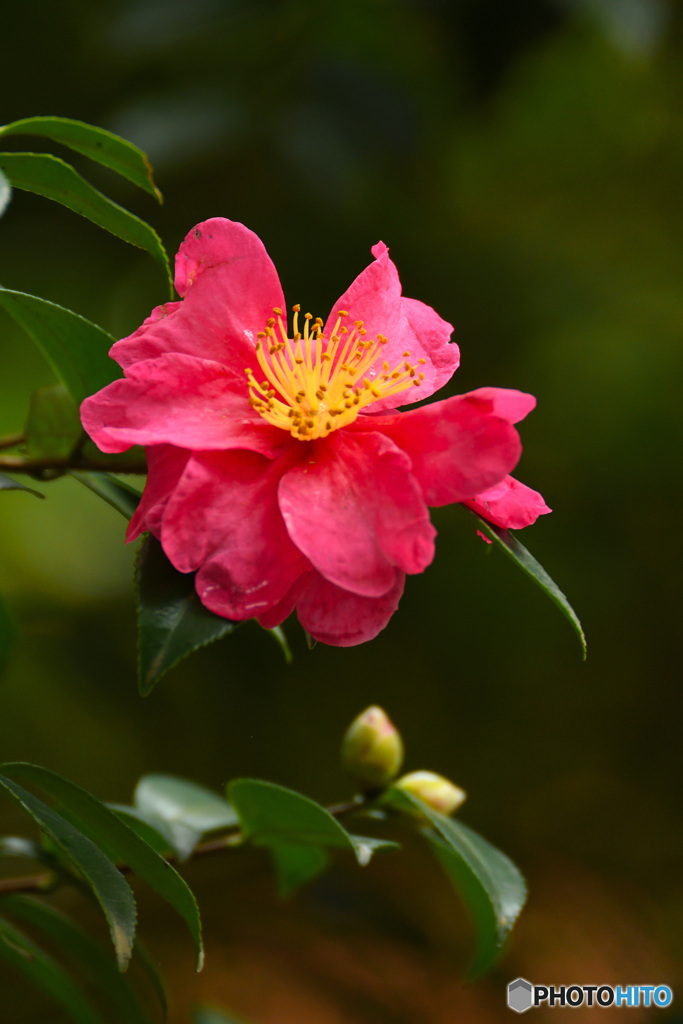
<point>279,467</point>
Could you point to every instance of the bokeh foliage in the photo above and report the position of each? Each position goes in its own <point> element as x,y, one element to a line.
<point>524,164</point>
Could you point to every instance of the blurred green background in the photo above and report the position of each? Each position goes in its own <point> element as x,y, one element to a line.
<point>524,162</point>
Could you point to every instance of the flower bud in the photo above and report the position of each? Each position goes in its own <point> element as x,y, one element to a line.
<point>434,790</point>
<point>372,749</point>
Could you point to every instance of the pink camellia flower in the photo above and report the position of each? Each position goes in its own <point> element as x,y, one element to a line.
<point>279,468</point>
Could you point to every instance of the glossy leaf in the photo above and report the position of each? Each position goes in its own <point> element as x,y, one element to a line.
<point>53,428</point>
<point>5,193</point>
<point>48,176</point>
<point>271,815</point>
<point>278,635</point>
<point>100,145</point>
<point>153,972</point>
<point>154,833</point>
<point>526,561</point>
<point>8,484</point>
<point>75,348</point>
<point>25,956</point>
<point>188,811</point>
<point>115,839</point>
<point>95,962</point>
<point>107,883</point>
<point>120,495</point>
<point>172,621</point>
<point>297,865</point>
<point>489,883</point>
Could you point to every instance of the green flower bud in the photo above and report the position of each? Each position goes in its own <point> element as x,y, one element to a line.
<point>372,749</point>
<point>434,790</point>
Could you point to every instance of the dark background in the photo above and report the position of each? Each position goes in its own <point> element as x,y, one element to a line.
<point>523,161</point>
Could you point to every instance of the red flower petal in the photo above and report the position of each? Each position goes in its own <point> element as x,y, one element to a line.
<point>337,617</point>
<point>509,504</point>
<point>223,518</point>
<point>507,403</point>
<point>458,447</point>
<point>165,465</point>
<point>411,326</point>
<point>229,286</point>
<point>178,399</point>
<point>353,508</point>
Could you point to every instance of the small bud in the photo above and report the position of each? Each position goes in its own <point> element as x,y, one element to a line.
<point>372,749</point>
<point>435,791</point>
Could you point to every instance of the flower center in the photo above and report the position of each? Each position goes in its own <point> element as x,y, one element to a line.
<point>313,384</point>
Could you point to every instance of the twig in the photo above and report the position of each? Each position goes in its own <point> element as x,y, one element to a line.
<point>11,440</point>
<point>20,464</point>
<point>46,880</point>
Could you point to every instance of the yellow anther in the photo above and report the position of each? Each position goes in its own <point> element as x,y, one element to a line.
<point>296,308</point>
<point>314,384</point>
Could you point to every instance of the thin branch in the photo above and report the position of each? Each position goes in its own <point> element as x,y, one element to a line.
<point>26,883</point>
<point>48,879</point>
<point>20,464</point>
<point>11,440</point>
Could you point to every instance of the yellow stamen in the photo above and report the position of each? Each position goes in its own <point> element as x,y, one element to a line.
<point>314,384</point>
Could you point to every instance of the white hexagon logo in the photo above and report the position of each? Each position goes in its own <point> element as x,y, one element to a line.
<point>520,995</point>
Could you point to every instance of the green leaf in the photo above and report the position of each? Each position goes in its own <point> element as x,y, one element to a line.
<point>75,348</point>
<point>120,495</point>
<point>491,886</point>
<point>526,561</point>
<point>172,621</point>
<point>93,960</point>
<point>53,178</point>
<point>153,832</point>
<point>53,428</point>
<point>115,839</point>
<point>278,634</point>
<point>188,811</point>
<point>297,865</point>
<point>8,484</point>
<point>5,193</point>
<point>100,145</point>
<point>29,959</point>
<point>154,974</point>
<point>107,883</point>
<point>271,816</point>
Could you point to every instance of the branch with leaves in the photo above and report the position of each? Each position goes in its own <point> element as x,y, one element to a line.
<point>93,847</point>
